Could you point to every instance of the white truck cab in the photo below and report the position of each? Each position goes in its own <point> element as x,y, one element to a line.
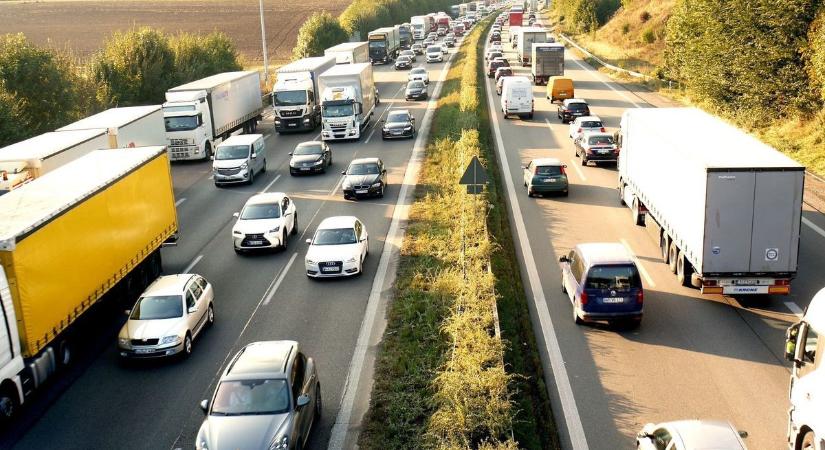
<point>804,348</point>
<point>188,120</point>
<point>11,359</point>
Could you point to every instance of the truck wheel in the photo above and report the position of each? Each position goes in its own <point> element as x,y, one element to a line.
<point>663,247</point>
<point>9,403</point>
<point>64,353</point>
<point>207,150</point>
<point>673,256</point>
<point>683,270</point>
<point>638,217</point>
<point>621,195</point>
<point>808,441</point>
<point>576,319</point>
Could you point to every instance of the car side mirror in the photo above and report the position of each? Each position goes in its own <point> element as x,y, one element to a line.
<point>236,215</point>
<point>290,153</point>
<point>254,155</point>
<point>384,171</point>
<point>302,401</point>
<point>192,310</point>
<point>791,336</point>
<point>205,405</point>
<point>127,311</point>
<point>564,259</point>
<point>383,121</point>
<point>343,172</point>
<point>309,241</point>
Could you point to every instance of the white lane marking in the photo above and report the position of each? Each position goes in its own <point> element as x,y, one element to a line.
<point>192,264</point>
<point>180,200</point>
<point>592,72</point>
<point>279,279</point>
<point>642,270</point>
<point>389,107</point>
<point>795,309</point>
<point>392,245</point>
<point>337,185</point>
<point>575,165</point>
<point>318,136</point>
<point>814,227</point>
<point>570,411</point>
<point>271,183</point>
<point>370,136</point>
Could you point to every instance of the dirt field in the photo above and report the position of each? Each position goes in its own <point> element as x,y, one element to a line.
<point>83,25</point>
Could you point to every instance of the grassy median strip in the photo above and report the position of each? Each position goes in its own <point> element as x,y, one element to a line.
<point>440,378</point>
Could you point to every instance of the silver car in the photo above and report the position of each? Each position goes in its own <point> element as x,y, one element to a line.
<point>268,397</point>
<point>691,435</point>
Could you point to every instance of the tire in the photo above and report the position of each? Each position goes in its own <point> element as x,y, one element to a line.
<point>284,243</point>
<point>530,116</point>
<point>584,160</point>
<point>64,351</point>
<point>576,319</point>
<point>381,194</point>
<point>263,169</point>
<point>638,218</point>
<point>621,195</point>
<point>294,230</point>
<point>663,248</point>
<point>367,252</point>
<point>9,403</point>
<point>576,151</point>
<point>808,441</point>
<point>210,316</point>
<point>251,177</point>
<point>530,192</point>
<point>673,256</point>
<point>565,193</point>
<point>563,289</point>
<point>319,407</point>
<point>684,270</point>
<point>187,347</point>
<point>207,151</point>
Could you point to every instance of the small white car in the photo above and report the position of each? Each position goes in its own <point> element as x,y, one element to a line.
<point>338,248</point>
<point>167,317</point>
<point>419,74</point>
<point>691,435</point>
<point>583,125</point>
<point>434,53</point>
<point>264,222</point>
<point>444,48</point>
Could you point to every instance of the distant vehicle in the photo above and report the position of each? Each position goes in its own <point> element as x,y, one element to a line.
<point>495,64</point>
<point>503,72</point>
<point>603,284</point>
<point>167,317</point>
<point>238,159</point>
<point>495,47</point>
<point>547,61</point>
<point>418,49</point>
<point>269,394</point>
<point>444,49</point>
<point>493,54</point>
<point>517,97</point>
<point>560,88</point>
<point>338,248</point>
<point>419,74</point>
<point>585,124</point>
<point>572,108</point>
<point>310,157</point>
<point>597,147</point>
<point>416,90</point>
<point>428,42</point>
<point>348,53</point>
<point>544,176</point>
<point>409,53</point>
<point>365,177</point>
<point>420,26</point>
<point>405,35</point>
<point>403,62</point>
<point>526,38</point>
<point>442,30</point>
<point>495,37</point>
<point>348,99</point>
<point>264,222</point>
<point>434,54</point>
<point>400,123</point>
<point>691,435</point>
<point>384,44</point>
<point>449,42</point>
<point>433,36</point>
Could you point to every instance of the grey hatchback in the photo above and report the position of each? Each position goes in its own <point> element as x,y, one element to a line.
<point>268,397</point>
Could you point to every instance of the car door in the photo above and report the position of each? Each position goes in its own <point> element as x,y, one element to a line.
<point>297,383</point>
<point>361,235</point>
<point>200,305</point>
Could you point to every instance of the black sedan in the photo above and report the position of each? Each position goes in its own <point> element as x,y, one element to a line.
<point>572,108</point>
<point>403,62</point>
<point>310,157</point>
<point>416,90</point>
<point>399,124</point>
<point>365,177</point>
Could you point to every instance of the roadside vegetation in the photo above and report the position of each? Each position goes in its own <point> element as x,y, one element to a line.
<point>444,379</point>
<point>759,64</point>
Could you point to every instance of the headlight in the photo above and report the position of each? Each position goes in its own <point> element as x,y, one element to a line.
<point>169,340</point>
<point>320,161</point>
<point>237,233</point>
<point>310,262</point>
<point>201,446</point>
<point>275,230</point>
<point>408,128</point>
<point>376,185</point>
<point>279,443</point>
<point>244,166</point>
<point>306,120</point>
<point>124,342</point>
<point>351,260</point>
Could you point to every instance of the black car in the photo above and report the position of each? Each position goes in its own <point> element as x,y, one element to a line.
<point>495,64</point>
<point>400,123</point>
<point>416,90</point>
<point>572,108</point>
<point>403,62</point>
<point>310,157</point>
<point>495,37</point>
<point>365,177</point>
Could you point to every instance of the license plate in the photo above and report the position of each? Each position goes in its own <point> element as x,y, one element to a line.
<point>291,124</point>
<point>256,242</point>
<point>613,300</point>
<point>329,269</point>
<point>144,350</point>
<point>549,180</point>
<point>361,191</point>
<point>304,168</point>
<point>396,133</point>
<point>745,282</point>
<point>602,152</point>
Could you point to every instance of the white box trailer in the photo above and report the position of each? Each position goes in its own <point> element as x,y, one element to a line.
<point>29,159</point>
<point>132,126</point>
<point>349,53</point>
<point>725,207</point>
<point>348,99</point>
<point>526,38</point>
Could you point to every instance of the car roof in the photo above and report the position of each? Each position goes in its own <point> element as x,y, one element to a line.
<point>168,284</point>
<point>366,160</point>
<point>264,358</point>
<point>583,118</point>
<point>547,162</point>
<point>604,253</point>
<point>418,70</point>
<point>575,100</point>
<point>400,111</point>
<point>705,434</point>
<point>265,198</point>
<point>337,222</point>
<point>590,134</point>
<point>309,143</point>
<point>241,139</point>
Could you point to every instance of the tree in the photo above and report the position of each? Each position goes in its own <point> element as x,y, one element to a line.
<point>11,127</point>
<point>199,56</point>
<point>320,31</point>
<point>816,52</point>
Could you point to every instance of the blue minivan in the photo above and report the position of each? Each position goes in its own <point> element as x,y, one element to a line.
<point>603,283</point>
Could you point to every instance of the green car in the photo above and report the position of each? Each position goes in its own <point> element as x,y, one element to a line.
<point>545,176</point>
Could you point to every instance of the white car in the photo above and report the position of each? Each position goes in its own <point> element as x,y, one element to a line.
<point>338,248</point>
<point>444,48</point>
<point>434,54</point>
<point>585,124</point>
<point>495,47</point>
<point>264,222</point>
<point>419,74</point>
<point>167,317</point>
<point>691,435</point>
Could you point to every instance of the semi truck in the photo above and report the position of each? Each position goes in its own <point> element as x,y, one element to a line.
<point>295,95</point>
<point>442,24</point>
<point>420,26</point>
<point>455,11</point>
<point>431,22</point>
<point>133,126</point>
<point>806,420</point>
<point>349,98</point>
<point>405,36</point>
<point>724,207</point>
<point>515,18</point>
<point>349,53</point>
<point>201,114</point>
<point>526,38</point>
<point>26,160</point>
<point>384,44</point>
<point>548,61</point>
<point>81,239</point>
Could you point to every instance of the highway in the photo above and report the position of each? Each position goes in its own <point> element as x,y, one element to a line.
<point>263,296</point>
<point>694,356</point>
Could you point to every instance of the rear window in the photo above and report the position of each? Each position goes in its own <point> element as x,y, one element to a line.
<point>577,106</point>
<point>600,140</point>
<point>591,124</point>
<point>548,170</point>
<point>618,277</point>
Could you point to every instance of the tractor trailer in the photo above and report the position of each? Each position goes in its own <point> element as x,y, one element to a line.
<point>132,126</point>
<point>84,235</point>
<point>526,38</point>
<point>349,53</point>
<point>384,44</point>
<point>295,97</point>
<point>348,99</point>
<point>724,207</point>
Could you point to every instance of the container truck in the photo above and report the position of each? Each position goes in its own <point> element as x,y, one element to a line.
<point>348,100</point>
<point>455,11</point>
<point>526,38</point>
<point>420,27</point>
<point>442,24</point>
<point>806,419</point>
<point>548,61</point>
<point>29,159</point>
<point>70,244</point>
<point>383,44</point>
<point>405,37</point>
<point>431,22</point>
<point>349,53</point>
<point>133,126</point>
<point>295,95</point>
<point>724,207</point>
<point>515,18</point>
<point>462,9</point>
<point>201,114</point>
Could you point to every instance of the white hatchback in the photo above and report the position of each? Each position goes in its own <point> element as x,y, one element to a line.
<point>434,54</point>
<point>264,222</point>
<point>585,124</point>
<point>338,248</point>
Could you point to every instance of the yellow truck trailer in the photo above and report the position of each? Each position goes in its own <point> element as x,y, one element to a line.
<point>66,240</point>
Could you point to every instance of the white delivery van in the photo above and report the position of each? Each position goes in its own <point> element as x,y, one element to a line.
<point>238,159</point>
<point>517,97</point>
<point>434,54</point>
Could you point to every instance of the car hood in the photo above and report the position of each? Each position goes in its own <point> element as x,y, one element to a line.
<point>332,252</point>
<point>227,163</point>
<point>257,226</point>
<point>150,329</point>
<point>398,125</point>
<point>360,180</point>
<point>297,159</point>
<point>242,432</point>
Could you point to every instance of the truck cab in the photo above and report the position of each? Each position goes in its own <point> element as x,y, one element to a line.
<point>804,348</point>
<point>188,125</point>
<point>293,101</point>
<point>11,358</point>
<point>342,114</point>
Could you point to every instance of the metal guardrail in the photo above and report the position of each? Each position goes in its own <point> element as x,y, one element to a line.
<point>609,66</point>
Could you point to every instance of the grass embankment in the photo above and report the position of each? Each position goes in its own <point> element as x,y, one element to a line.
<point>440,378</point>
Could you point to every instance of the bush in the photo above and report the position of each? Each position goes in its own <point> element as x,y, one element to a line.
<point>197,56</point>
<point>648,36</point>
<point>644,16</point>
<point>816,52</point>
<point>625,28</point>
<point>11,127</point>
<point>319,32</point>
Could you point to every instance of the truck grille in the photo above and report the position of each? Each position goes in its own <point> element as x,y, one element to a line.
<point>233,171</point>
<point>290,113</point>
<point>179,152</point>
<point>178,142</point>
<point>338,126</point>
<point>140,342</point>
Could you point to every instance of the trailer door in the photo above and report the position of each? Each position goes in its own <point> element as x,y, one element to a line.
<point>776,217</point>
<point>728,222</point>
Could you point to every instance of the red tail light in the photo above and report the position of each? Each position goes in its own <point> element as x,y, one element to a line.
<point>640,297</point>
<point>708,282</point>
<point>583,298</point>
<point>782,282</point>
<point>563,171</point>
<point>580,130</point>
<point>602,129</point>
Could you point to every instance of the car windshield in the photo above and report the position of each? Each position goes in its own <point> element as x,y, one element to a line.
<point>247,397</point>
<point>415,85</point>
<point>334,236</point>
<point>403,59</point>
<point>402,117</point>
<point>181,123</point>
<point>309,149</point>
<point>577,106</point>
<point>261,211</point>
<point>337,110</point>
<point>418,72</point>
<point>600,140</point>
<point>158,307</point>
<point>378,45</point>
<point>363,169</point>
<point>231,152</point>
<point>433,50</point>
<point>591,124</point>
<point>618,277</point>
<point>548,170</point>
<point>289,98</point>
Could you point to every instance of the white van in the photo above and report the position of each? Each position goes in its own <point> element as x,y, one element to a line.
<point>239,158</point>
<point>517,97</point>
<point>434,54</point>
<point>804,348</point>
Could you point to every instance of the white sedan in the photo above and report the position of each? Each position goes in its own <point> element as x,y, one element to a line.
<point>338,248</point>
<point>585,124</point>
<point>264,222</point>
<point>419,74</point>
